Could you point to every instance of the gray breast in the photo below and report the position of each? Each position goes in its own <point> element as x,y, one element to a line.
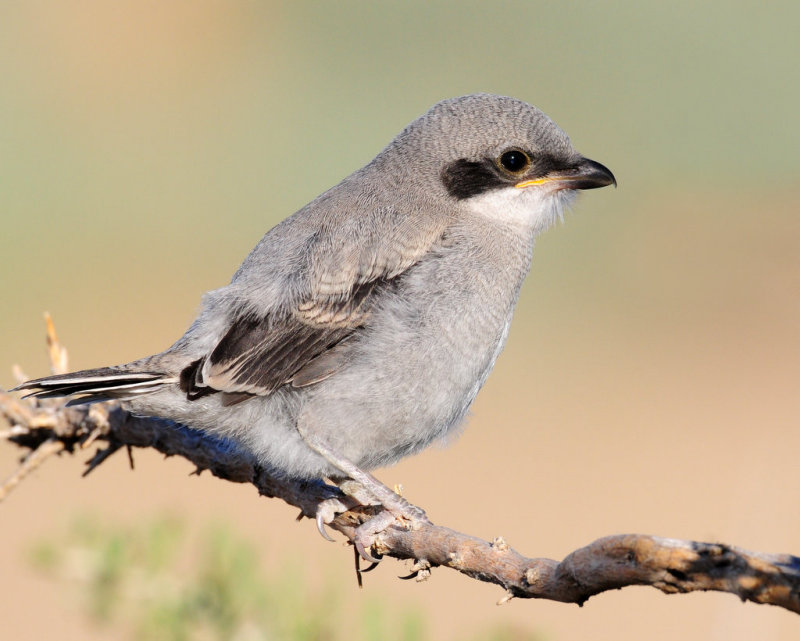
<point>428,349</point>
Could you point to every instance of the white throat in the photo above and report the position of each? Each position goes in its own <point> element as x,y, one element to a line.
<point>531,208</point>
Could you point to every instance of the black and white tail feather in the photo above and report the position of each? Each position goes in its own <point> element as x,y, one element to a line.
<point>96,385</point>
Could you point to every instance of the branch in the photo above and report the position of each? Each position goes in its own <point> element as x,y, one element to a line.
<point>46,427</point>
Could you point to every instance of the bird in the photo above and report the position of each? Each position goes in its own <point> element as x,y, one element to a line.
<point>360,329</point>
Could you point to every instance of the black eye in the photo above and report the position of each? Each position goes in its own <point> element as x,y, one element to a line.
<point>515,161</point>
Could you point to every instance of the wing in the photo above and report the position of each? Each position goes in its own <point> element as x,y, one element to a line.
<point>257,355</point>
<point>349,268</point>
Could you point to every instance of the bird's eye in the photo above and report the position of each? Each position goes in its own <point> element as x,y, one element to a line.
<point>514,161</point>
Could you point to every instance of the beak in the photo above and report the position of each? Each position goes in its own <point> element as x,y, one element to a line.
<point>585,174</point>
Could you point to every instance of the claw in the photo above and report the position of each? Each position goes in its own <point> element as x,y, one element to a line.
<point>321,528</point>
<point>369,568</point>
<point>421,570</point>
<point>362,551</point>
<point>327,511</point>
<point>365,534</point>
<point>359,571</point>
<point>396,510</point>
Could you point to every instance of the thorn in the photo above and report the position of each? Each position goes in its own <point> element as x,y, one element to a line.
<point>130,456</point>
<point>15,411</point>
<point>91,438</point>
<point>14,430</point>
<point>19,375</point>
<point>398,489</point>
<point>32,461</point>
<point>99,457</point>
<point>506,598</point>
<point>57,353</point>
<point>300,516</point>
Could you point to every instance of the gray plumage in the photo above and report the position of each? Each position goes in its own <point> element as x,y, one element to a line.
<point>372,316</point>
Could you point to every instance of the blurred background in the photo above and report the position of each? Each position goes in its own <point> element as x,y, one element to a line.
<point>650,379</point>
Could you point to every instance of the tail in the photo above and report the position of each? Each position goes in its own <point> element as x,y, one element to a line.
<point>95,385</point>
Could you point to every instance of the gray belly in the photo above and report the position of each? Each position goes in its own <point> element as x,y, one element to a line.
<point>417,368</point>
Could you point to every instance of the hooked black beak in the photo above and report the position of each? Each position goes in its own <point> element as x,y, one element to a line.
<point>585,174</point>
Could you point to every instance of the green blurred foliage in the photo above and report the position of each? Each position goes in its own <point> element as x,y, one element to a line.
<point>147,146</point>
<point>154,581</point>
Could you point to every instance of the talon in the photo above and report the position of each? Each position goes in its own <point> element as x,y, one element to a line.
<point>362,551</point>
<point>421,570</point>
<point>321,528</point>
<point>326,513</point>
<point>369,568</point>
<point>359,571</point>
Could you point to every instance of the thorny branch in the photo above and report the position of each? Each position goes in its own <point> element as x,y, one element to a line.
<point>47,427</point>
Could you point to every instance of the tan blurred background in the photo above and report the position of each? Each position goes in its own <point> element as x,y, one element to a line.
<point>650,380</point>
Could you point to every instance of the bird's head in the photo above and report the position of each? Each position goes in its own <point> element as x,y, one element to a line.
<point>499,156</point>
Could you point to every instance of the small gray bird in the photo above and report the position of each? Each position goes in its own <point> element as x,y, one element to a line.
<point>361,328</point>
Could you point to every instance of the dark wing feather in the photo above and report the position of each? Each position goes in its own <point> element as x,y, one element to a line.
<point>322,366</point>
<point>257,355</point>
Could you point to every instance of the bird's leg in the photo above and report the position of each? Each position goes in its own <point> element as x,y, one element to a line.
<point>367,489</point>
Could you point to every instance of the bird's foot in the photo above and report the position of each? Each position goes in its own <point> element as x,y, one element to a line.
<point>328,509</point>
<point>366,534</point>
<point>364,489</point>
<point>397,511</point>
